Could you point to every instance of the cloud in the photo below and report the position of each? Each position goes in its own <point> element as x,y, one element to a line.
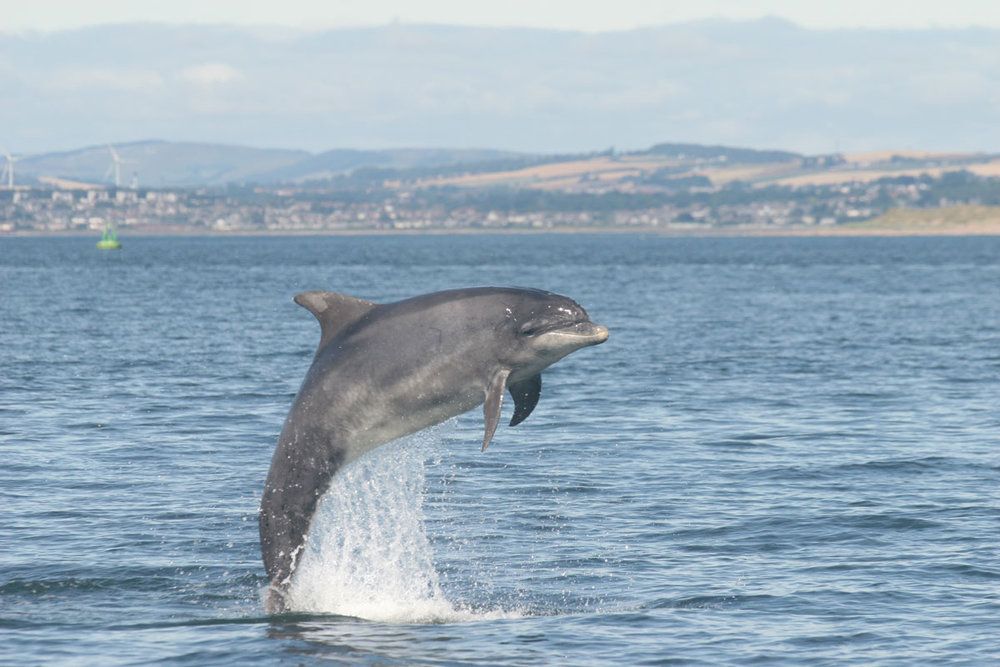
<point>211,74</point>
<point>753,84</point>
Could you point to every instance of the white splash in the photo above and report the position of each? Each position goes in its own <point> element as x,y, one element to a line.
<point>368,555</point>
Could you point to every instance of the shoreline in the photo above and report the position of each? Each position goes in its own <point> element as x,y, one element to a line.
<point>983,229</point>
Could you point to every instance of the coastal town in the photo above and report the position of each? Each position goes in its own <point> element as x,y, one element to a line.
<point>729,189</point>
<point>294,210</point>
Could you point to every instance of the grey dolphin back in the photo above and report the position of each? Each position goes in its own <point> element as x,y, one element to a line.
<point>335,312</point>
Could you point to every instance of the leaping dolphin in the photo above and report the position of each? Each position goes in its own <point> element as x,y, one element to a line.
<point>385,371</point>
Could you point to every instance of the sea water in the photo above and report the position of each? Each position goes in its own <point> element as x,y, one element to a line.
<point>788,452</point>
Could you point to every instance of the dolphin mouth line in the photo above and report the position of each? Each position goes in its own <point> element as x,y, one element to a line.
<point>584,330</point>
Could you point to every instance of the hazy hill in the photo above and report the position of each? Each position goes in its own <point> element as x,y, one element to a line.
<point>339,161</point>
<point>671,166</point>
<point>188,164</point>
<point>767,84</point>
<point>185,164</point>
<point>160,163</point>
<point>725,153</point>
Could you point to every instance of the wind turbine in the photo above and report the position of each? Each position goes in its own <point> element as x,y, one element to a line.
<point>115,167</point>
<point>8,169</point>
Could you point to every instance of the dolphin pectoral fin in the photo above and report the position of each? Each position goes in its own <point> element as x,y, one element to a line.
<point>525,394</point>
<point>494,401</point>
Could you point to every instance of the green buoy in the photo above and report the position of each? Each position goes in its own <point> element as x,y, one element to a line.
<point>109,241</point>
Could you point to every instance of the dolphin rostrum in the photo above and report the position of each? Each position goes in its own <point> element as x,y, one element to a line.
<point>384,371</point>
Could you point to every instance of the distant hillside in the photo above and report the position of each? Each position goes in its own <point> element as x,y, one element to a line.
<point>340,161</point>
<point>187,164</point>
<point>665,166</point>
<point>726,153</point>
<point>161,163</point>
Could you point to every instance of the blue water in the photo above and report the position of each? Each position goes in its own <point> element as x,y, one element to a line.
<point>786,453</point>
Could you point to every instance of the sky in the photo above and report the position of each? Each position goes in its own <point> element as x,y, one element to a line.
<point>809,87</point>
<point>49,15</point>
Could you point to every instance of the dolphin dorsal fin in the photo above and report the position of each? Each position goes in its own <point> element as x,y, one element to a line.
<point>334,311</point>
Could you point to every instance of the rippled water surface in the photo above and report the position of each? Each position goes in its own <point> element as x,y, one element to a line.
<point>787,452</point>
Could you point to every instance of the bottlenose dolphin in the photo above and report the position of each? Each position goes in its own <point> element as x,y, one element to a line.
<point>384,371</point>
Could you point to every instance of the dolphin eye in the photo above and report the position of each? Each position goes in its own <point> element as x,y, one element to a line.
<point>528,329</point>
